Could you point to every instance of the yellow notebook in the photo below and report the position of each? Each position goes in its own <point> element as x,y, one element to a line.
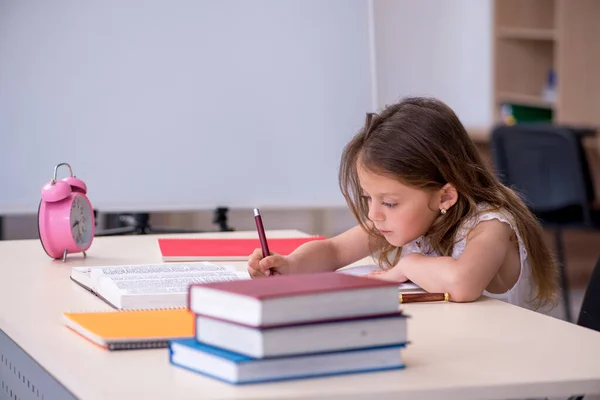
<point>140,329</point>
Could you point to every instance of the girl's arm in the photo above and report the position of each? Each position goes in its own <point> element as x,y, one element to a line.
<point>464,278</point>
<point>331,254</point>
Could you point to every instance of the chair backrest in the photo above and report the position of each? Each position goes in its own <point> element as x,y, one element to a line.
<point>589,316</point>
<point>546,164</point>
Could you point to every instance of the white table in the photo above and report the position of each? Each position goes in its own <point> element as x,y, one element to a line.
<point>481,350</point>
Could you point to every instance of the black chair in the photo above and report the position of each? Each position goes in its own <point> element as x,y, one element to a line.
<point>546,164</point>
<point>589,315</point>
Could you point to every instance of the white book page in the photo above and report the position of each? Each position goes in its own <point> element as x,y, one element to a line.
<point>362,270</point>
<point>117,281</point>
<point>145,271</point>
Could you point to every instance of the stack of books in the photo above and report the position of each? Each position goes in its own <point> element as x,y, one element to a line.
<point>292,326</point>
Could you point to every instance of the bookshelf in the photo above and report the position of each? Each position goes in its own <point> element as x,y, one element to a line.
<point>534,37</point>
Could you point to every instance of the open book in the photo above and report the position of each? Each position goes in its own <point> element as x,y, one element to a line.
<point>152,286</point>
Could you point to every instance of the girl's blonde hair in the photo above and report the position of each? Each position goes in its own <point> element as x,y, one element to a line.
<point>421,143</point>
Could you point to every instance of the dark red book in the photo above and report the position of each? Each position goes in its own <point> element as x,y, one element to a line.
<point>285,299</point>
<point>200,249</point>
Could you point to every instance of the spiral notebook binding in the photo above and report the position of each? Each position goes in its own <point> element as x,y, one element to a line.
<point>151,309</point>
<point>138,345</point>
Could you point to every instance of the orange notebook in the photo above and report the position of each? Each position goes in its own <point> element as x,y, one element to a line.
<point>200,249</point>
<point>126,330</point>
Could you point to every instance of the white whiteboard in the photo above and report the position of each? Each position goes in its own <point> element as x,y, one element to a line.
<point>188,104</point>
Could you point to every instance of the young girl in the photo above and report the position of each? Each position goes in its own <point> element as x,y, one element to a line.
<point>431,212</point>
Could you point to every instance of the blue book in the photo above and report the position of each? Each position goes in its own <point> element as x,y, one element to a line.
<point>236,368</point>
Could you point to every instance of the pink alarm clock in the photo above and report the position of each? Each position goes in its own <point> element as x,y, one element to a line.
<point>65,216</point>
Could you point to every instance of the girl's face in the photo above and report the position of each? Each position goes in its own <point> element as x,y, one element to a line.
<point>401,213</point>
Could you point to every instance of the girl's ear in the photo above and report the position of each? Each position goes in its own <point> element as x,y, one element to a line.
<point>448,197</point>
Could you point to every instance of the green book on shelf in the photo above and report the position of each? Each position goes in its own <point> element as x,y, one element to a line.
<point>516,113</point>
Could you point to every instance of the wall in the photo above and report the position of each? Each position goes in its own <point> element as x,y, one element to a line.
<point>436,48</point>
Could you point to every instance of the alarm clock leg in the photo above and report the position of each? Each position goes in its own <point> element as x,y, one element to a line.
<point>84,255</point>
<point>64,258</point>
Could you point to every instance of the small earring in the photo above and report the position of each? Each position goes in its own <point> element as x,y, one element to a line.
<point>443,211</point>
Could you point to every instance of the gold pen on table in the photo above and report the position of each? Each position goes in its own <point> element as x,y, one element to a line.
<point>422,297</point>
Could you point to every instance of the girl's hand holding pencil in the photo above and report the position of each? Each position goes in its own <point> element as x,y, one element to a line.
<point>274,264</point>
<point>262,262</point>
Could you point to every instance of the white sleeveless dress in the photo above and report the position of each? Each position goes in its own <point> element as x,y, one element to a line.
<point>521,294</point>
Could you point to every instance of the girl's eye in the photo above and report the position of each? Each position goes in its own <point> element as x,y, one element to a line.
<point>388,205</point>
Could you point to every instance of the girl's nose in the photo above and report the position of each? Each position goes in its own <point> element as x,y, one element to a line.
<point>375,214</point>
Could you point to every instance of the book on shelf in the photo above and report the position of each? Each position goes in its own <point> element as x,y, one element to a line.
<point>236,368</point>
<point>151,286</point>
<point>303,338</point>
<point>220,249</point>
<point>285,299</point>
<point>127,330</point>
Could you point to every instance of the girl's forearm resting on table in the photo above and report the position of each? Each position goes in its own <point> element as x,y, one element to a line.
<point>464,278</point>
<point>440,275</point>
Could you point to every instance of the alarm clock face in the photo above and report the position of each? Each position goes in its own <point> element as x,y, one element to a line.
<point>82,220</point>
